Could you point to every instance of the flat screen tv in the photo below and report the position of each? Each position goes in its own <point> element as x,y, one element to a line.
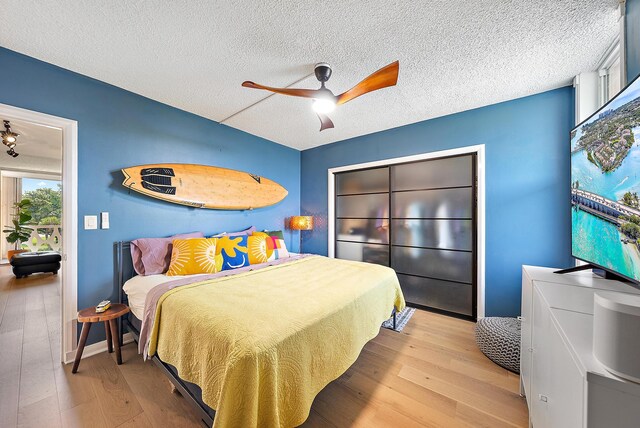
<point>605,186</point>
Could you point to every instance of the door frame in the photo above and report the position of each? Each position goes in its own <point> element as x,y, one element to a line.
<point>479,150</point>
<point>69,288</point>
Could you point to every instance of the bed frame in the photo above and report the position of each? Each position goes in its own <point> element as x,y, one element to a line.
<point>124,272</point>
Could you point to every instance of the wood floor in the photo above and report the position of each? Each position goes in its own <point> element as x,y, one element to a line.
<point>430,375</point>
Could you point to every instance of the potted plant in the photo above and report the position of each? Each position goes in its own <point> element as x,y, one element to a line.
<point>18,233</point>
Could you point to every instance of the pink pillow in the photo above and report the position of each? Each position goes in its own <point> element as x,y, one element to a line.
<point>152,255</point>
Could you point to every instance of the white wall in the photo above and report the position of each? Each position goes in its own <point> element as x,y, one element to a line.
<point>10,189</point>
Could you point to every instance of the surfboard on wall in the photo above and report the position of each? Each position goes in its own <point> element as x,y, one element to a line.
<point>203,186</point>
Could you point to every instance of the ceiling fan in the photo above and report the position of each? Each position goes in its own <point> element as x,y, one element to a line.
<point>324,101</point>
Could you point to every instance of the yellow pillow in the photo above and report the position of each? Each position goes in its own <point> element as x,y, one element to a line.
<point>195,255</point>
<point>259,249</point>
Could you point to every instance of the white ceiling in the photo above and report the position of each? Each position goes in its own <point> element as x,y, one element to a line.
<point>39,148</point>
<point>454,55</point>
<point>35,140</point>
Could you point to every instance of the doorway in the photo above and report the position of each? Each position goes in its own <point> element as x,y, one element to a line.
<point>51,174</point>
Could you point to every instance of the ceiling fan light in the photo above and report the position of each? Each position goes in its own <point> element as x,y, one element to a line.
<point>323,105</point>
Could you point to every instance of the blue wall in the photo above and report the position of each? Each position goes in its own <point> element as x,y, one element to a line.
<point>527,171</point>
<point>632,38</point>
<point>527,182</point>
<point>117,128</point>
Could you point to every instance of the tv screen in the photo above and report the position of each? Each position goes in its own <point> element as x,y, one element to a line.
<point>605,186</point>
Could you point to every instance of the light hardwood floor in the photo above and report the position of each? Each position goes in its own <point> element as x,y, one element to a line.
<point>430,375</point>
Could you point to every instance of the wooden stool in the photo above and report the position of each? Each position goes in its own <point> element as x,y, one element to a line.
<point>89,316</point>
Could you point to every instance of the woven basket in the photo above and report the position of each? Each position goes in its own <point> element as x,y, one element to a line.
<point>499,339</point>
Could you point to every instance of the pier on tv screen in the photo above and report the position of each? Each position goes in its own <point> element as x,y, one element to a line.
<point>605,184</point>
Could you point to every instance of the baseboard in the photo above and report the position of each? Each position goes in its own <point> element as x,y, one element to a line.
<point>95,348</point>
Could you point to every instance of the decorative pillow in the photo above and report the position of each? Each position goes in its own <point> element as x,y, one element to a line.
<point>264,248</point>
<point>277,233</point>
<point>247,231</point>
<point>195,255</point>
<point>152,255</point>
<point>259,250</point>
<point>233,250</point>
<point>278,246</point>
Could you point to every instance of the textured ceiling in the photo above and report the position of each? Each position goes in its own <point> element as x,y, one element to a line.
<point>454,55</point>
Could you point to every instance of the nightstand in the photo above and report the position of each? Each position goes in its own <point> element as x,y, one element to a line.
<point>88,316</point>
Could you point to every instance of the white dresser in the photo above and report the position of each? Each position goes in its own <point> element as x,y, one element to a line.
<point>564,384</point>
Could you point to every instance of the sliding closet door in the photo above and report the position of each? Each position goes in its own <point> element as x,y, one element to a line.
<point>433,232</point>
<point>420,219</point>
<point>362,215</point>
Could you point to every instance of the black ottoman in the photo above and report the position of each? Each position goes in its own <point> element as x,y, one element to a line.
<point>25,264</point>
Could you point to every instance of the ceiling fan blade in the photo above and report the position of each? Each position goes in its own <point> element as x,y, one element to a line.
<point>386,76</point>
<point>306,93</point>
<point>325,122</point>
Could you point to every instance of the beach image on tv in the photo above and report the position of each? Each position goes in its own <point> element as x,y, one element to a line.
<point>605,206</point>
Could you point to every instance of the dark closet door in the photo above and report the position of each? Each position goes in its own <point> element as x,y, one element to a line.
<point>362,215</point>
<point>420,219</point>
<point>433,233</point>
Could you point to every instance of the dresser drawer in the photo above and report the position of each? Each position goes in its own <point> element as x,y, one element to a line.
<point>576,299</point>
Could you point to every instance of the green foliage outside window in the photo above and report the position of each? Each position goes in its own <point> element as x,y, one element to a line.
<point>46,205</point>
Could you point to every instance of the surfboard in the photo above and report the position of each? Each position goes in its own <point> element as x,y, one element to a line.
<point>203,186</point>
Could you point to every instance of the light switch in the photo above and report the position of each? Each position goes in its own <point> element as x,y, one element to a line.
<point>104,220</point>
<point>90,222</point>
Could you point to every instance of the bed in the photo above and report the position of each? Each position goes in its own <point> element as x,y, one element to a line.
<point>257,344</point>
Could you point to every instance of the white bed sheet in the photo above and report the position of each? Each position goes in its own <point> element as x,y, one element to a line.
<point>138,287</point>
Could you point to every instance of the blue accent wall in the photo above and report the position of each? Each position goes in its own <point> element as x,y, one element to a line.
<point>527,171</point>
<point>632,38</point>
<point>527,182</point>
<point>116,129</point>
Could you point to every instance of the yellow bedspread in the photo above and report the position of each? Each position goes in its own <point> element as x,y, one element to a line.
<point>262,344</point>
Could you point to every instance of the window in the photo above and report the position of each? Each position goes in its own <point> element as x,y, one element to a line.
<point>610,73</point>
<point>593,88</point>
<point>45,194</point>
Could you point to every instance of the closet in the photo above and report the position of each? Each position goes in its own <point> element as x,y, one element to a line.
<point>420,219</point>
